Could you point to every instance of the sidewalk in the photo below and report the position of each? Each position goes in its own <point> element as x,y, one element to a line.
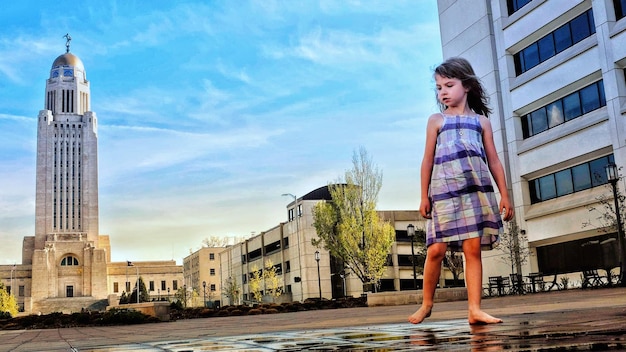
<point>571,320</point>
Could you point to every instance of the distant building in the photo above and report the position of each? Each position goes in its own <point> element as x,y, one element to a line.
<point>202,275</point>
<point>67,265</point>
<point>161,278</point>
<point>555,72</point>
<point>288,246</point>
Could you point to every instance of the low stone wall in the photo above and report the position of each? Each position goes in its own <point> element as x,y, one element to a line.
<point>397,298</point>
<point>158,309</point>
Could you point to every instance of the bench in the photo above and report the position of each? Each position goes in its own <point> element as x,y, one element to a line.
<point>592,279</point>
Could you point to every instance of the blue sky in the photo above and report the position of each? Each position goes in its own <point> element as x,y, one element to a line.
<point>210,110</point>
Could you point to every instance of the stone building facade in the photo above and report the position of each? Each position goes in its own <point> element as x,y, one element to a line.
<point>202,275</point>
<point>66,266</point>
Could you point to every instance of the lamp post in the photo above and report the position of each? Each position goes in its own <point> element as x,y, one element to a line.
<point>204,293</point>
<point>319,279</point>
<point>410,230</point>
<point>185,296</point>
<point>612,175</point>
<point>129,263</point>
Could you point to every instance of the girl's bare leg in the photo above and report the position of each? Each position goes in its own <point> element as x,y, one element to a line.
<point>473,280</point>
<point>432,268</point>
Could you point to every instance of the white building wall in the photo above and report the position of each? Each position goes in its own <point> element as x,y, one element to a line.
<point>602,56</point>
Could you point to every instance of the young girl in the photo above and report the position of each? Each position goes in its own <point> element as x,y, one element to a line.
<point>457,193</point>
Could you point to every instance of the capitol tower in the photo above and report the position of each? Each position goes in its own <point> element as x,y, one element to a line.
<point>69,257</point>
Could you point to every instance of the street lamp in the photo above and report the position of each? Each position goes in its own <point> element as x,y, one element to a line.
<point>612,174</point>
<point>204,289</point>
<point>410,230</point>
<point>319,279</point>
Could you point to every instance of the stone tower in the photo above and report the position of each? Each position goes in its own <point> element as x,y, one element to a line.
<point>69,257</point>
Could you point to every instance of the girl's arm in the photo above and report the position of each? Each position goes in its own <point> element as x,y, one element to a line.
<point>432,130</point>
<point>496,169</point>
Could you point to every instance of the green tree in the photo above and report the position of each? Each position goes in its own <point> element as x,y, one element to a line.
<point>124,298</point>
<point>349,226</point>
<point>182,295</point>
<point>231,290</point>
<point>255,283</point>
<point>8,304</point>
<point>273,284</point>
<point>419,249</point>
<point>143,293</point>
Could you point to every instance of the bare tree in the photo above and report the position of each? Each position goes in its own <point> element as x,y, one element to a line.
<point>231,290</point>
<point>454,262</point>
<point>215,241</point>
<point>606,219</point>
<point>514,247</point>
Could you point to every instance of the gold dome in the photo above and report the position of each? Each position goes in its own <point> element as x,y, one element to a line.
<point>70,60</point>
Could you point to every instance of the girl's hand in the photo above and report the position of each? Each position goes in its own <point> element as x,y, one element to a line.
<point>506,209</point>
<point>425,208</point>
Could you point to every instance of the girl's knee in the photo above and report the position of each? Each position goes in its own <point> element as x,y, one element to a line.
<point>437,251</point>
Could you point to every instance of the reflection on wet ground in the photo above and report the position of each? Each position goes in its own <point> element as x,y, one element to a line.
<point>451,335</point>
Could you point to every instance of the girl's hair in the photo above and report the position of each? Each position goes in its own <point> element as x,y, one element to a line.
<point>460,68</point>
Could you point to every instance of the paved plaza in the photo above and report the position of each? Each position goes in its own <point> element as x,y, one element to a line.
<point>592,320</point>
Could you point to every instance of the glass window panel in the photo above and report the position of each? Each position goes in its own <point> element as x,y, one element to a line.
<point>580,28</point>
<point>589,98</point>
<point>564,183</point>
<point>582,177</point>
<point>526,130</point>
<point>548,189</point>
<point>535,191</point>
<point>620,8</point>
<point>530,56</point>
<point>539,120</point>
<point>601,90</point>
<point>598,171</point>
<point>546,47</point>
<point>555,113</point>
<point>572,107</point>
<point>517,60</point>
<point>562,38</point>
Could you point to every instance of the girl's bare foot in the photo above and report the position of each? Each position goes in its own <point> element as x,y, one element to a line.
<point>420,314</point>
<point>480,317</point>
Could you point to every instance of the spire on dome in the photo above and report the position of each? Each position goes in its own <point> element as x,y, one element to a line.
<point>67,42</point>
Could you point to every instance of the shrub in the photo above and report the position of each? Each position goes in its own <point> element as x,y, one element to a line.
<point>122,317</point>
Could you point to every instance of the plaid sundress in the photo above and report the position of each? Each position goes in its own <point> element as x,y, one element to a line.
<point>463,201</point>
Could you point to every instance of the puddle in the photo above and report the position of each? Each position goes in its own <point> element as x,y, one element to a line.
<point>449,336</point>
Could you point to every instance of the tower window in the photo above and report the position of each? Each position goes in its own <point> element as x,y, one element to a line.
<point>69,260</point>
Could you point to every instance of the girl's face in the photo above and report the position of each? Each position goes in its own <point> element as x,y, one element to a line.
<point>450,91</point>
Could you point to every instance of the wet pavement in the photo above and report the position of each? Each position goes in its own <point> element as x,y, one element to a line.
<point>591,320</point>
